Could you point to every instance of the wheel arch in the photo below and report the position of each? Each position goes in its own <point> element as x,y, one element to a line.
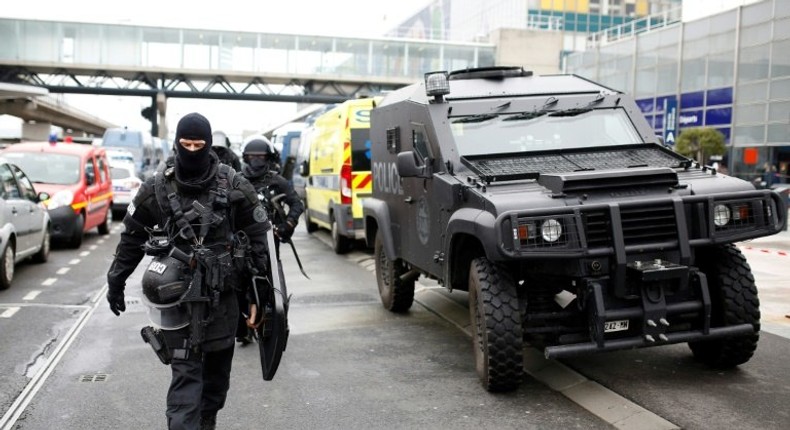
<point>464,247</point>
<point>375,212</point>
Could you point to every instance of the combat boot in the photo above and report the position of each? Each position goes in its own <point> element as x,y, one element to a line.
<point>208,422</point>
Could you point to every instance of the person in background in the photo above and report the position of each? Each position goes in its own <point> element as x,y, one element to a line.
<point>275,192</point>
<point>225,153</point>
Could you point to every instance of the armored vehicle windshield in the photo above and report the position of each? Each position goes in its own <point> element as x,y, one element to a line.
<point>543,131</point>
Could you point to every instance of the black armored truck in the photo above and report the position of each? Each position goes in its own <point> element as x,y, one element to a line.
<point>550,200</point>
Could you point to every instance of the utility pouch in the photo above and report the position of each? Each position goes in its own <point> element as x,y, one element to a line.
<point>156,339</point>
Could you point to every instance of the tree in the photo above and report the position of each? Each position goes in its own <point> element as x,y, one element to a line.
<point>700,143</point>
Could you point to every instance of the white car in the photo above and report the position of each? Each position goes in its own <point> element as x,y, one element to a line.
<point>118,156</point>
<point>125,184</point>
<point>24,222</point>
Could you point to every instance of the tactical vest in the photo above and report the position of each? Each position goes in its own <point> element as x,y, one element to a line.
<point>213,225</point>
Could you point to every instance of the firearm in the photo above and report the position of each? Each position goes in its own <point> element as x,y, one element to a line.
<point>196,296</point>
<point>156,339</point>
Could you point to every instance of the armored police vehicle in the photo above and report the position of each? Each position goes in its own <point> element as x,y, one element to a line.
<point>550,201</point>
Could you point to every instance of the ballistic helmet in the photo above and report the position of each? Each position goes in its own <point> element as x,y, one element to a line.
<point>163,286</point>
<point>260,145</point>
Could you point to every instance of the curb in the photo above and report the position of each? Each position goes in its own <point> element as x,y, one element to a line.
<point>607,405</point>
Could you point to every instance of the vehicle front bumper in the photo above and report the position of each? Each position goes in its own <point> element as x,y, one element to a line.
<point>64,222</point>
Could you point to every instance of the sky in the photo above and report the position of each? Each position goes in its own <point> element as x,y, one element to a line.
<point>334,18</point>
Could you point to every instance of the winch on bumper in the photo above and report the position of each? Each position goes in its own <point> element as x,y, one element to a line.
<point>648,320</point>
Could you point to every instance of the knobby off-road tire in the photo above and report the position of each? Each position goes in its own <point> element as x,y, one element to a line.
<point>497,335</point>
<point>733,301</point>
<point>396,295</point>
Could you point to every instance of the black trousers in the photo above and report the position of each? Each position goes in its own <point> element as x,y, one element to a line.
<point>199,387</point>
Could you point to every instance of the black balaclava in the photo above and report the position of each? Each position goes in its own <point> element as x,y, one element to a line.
<point>192,165</point>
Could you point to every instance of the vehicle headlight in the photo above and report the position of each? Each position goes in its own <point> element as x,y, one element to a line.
<point>61,198</point>
<point>721,215</point>
<point>551,230</point>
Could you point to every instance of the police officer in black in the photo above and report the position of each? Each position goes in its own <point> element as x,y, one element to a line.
<point>200,373</point>
<point>261,168</point>
<point>278,196</point>
<point>225,153</point>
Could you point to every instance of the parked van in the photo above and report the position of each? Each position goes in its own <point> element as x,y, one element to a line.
<point>286,139</point>
<point>339,172</point>
<point>139,143</point>
<point>77,177</point>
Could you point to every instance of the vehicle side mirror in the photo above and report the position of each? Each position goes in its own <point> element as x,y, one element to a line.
<point>407,165</point>
<point>303,169</point>
<point>43,196</point>
<point>90,178</point>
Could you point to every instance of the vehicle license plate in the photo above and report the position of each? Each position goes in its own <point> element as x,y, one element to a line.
<point>119,188</point>
<point>619,325</point>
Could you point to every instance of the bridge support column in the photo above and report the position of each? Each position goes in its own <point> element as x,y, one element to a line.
<point>161,107</point>
<point>36,131</point>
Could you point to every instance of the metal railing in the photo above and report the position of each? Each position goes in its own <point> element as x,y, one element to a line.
<point>632,28</point>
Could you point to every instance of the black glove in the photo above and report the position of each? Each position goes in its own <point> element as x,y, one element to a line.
<point>285,231</point>
<point>117,301</point>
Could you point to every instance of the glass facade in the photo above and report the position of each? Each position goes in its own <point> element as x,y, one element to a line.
<point>729,71</point>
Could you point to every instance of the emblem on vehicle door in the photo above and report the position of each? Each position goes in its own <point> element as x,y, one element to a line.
<point>423,221</point>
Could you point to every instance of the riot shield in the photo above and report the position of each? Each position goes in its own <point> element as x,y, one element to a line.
<point>270,320</point>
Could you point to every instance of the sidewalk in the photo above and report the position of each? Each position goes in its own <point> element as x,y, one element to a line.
<point>778,242</point>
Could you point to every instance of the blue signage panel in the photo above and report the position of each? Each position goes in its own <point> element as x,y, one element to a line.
<point>670,120</point>
<point>692,100</point>
<point>720,116</point>
<point>719,96</point>
<point>645,105</point>
<point>691,118</point>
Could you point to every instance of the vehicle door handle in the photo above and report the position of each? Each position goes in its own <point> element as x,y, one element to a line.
<point>409,200</point>
<point>13,210</point>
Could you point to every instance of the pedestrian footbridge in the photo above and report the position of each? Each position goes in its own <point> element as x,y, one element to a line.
<point>74,57</point>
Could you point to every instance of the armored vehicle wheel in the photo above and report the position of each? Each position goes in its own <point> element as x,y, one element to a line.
<point>396,295</point>
<point>733,301</point>
<point>340,243</point>
<point>497,335</point>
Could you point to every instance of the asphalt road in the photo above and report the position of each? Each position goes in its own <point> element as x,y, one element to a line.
<point>68,363</point>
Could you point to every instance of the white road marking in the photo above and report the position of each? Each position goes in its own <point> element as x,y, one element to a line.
<point>75,261</point>
<point>63,270</point>
<point>93,247</point>
<point>37,381</point>
<point>31,295</point>
<point>85,253</point>
<point>8,313</point>
<point>100,241</point>
<point>49,282</point>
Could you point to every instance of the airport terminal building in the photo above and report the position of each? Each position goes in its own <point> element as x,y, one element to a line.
<point>729,71</point>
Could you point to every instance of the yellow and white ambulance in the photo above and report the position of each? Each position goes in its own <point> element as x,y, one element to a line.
<point>339,172</point>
